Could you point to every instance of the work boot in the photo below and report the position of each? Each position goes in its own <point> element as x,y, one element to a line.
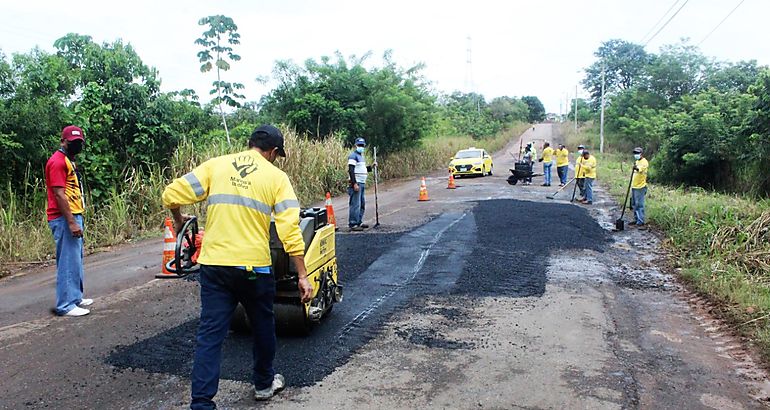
<point>265,394</point>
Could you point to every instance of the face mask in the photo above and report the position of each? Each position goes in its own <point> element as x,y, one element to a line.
<point>360,150</point>
<point>637,156</point>
<point>74,147</point>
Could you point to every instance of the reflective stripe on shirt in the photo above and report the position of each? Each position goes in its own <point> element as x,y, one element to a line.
<point>194,183</point>
<point>230,199</point>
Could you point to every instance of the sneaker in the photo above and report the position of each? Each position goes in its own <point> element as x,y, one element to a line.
<point>544,185</point>
<point>357,228</point>
<point>632,223</point>
<point>77,311</point>
<point>86,302</point>
<point>365,226</point>
<point>265,394</point>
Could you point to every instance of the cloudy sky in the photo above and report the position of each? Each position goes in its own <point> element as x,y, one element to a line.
<point>533,47</point>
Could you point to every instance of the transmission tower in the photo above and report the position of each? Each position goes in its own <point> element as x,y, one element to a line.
<point>469,67</point>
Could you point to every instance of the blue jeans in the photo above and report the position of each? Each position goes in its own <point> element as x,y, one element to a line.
<point>547,172</point>
<point>222,287</point>
<point>357,205</point>
<point>637,202</point>
<point>562,171</point>
<point>69,264</point>
<point>589,188</point>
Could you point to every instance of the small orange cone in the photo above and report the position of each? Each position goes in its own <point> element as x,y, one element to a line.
<point>423,191</point>
<point>330,218</point>
<point>451,182</point>
<point>169,246</point>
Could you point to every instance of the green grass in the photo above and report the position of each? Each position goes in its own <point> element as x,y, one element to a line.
<point>134,210</point>
<point>719,244</point>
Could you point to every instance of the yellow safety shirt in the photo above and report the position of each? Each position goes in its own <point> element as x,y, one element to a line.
<point>578,167</point>
<point>243,191</point>
<point>547,154</point>
<point>640,176</point>
<point>589,167</point>
<point>562,157</point>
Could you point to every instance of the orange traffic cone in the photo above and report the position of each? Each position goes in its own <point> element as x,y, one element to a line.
<point>330,218</point>
<point>169,246</point>
<point>423,191</point>
<point>451,182</point>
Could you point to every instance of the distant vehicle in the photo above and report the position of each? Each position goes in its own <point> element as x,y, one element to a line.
<point>471,161</point>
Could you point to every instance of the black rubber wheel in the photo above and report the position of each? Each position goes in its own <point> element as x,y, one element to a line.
<point>490,169</point>
<point>291,319</point>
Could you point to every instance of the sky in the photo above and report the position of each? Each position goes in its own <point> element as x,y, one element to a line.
<point>534,47</point>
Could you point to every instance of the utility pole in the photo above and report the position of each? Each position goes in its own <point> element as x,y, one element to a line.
<point>601,119</point>
<point>470,86</point>
<point>576,89</point>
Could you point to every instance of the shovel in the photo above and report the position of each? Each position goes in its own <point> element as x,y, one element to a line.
<point>620,224</point>
<point>553,195</point>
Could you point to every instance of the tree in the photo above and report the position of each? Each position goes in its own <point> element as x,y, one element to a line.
<point>584,112</point>
<point>536,109</point>
<point>727,77</point>
<point>508,109</point>
<point>624,65</point>
<point>391,106</point>
<point>679,70</point>
<point>216,53</point>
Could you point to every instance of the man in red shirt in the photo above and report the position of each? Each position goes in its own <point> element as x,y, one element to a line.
<point>66,206</point>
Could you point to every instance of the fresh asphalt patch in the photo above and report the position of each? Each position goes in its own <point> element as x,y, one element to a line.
<point>501,248</point>
<point>515,240</point>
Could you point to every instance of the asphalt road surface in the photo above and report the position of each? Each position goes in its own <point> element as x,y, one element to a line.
<point>487,296</point>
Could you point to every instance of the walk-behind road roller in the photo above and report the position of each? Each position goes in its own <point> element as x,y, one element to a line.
<point>291,315</point>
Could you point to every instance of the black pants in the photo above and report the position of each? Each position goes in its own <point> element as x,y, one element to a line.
<point>581,183</point>
<point>222,288</point>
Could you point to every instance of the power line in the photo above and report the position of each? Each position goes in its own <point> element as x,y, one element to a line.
<point>666,23</point>
<point>720,23</point>
<point>661,19</point>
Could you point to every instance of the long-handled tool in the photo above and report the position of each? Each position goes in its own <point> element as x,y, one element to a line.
<point>620,224</point>
<point>553,195</point>
<point>577,172</point>
<point>376,201</point>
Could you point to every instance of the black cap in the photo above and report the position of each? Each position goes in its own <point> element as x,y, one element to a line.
<point>271,136</point>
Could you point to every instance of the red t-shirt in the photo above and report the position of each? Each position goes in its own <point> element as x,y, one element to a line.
<point>61,172</point>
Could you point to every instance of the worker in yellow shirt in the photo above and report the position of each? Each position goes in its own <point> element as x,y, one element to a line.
<point>547,160</point>
<point>562,164</point>
<point>589,173</point>
<point>244,191</point>
<point>579,178</point>
<point>639,186</point>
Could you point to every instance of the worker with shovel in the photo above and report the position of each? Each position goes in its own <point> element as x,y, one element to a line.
<point>580,173</point>
<point>588,165</point>
<point>639,186</point>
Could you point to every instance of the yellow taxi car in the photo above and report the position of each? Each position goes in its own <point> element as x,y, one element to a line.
<point>471,161</point>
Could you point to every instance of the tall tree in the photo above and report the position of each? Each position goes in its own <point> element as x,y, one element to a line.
<point>624,66</point>
<point>536,108</point>
<point>217,52</point>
